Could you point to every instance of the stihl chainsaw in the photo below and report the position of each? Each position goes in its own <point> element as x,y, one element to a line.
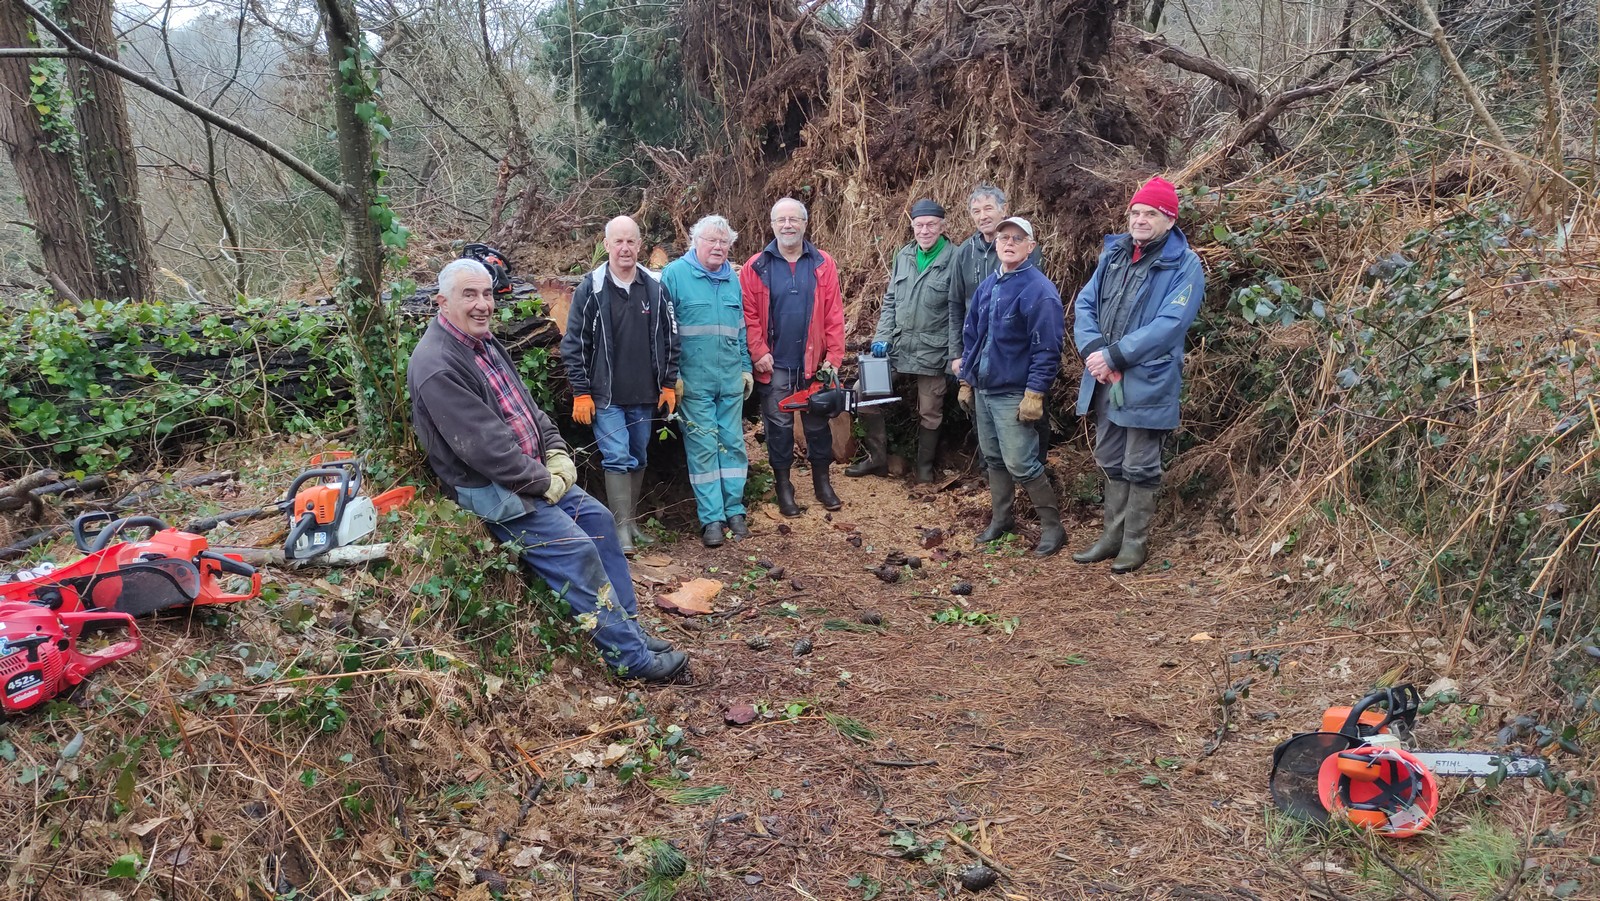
<point>39,656</point>
<point>828,397</point>
<point>166,570</point>
<point>325,506</point>
<point>1361,763</point>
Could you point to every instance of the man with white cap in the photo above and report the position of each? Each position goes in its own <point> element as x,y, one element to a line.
<point>1129,324</point>
<point>913,332</point>
<point>1011,351</point>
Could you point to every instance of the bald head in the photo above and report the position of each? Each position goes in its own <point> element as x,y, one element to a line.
<point>622,247</point>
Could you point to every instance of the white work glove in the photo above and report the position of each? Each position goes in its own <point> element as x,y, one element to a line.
<point>563,475</point>
<point>749,383</point>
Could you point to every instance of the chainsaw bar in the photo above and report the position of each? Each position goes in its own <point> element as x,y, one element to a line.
<point>1483,764</point>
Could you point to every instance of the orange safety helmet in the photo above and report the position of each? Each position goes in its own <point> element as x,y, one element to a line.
<point>1385,790</point>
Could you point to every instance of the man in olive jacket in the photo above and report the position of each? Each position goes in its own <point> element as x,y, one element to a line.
<point>913,333</point>
<point>498,455</point>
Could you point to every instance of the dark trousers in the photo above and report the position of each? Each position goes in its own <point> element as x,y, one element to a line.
<point>779,426</point>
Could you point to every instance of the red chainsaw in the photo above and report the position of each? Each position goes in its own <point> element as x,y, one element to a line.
<point>39,656</point>
<point>827,396</point>
<point>168,569</point>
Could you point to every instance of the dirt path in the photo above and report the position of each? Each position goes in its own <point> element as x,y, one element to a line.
<point>1064,738</point>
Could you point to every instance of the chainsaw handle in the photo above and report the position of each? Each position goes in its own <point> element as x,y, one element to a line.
<point>90,621</point>
<point>213,562</point>
<point>99,540</point>
<point>1397,703</point>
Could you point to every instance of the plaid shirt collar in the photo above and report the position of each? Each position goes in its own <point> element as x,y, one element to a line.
<point>475,343</point>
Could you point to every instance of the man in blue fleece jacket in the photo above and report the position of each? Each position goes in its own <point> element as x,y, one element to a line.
<point>1011,351</point>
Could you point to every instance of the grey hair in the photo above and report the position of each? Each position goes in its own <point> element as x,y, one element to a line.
<point>457,268</point>
<point>804,213</point>
<point>989,191</point>
<point>709,224</point>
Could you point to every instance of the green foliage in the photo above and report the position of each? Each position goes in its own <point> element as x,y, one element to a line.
<point>95,386</point>
<point>630,72</point>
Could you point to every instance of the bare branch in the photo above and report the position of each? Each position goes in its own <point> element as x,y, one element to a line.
<point>341,194</point>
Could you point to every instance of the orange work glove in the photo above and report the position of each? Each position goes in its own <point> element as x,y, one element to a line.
<point>583,409</point>
<point>669,399</point>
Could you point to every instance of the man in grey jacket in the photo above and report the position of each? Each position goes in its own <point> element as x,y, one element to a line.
<point>498,455</point>
<point>913,333</point>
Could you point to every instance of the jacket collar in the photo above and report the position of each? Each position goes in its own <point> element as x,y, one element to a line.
<point>597,278</point>
<point>807,249</point>
<point>1001,275</point>
<point>721,275</point>
<point>1171,251</point>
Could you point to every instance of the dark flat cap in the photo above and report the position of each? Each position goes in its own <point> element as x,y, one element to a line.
<point>927,207</point>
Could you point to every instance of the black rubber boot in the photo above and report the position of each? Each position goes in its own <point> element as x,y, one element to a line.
<point>1043,495</point>
<point>822,487</point>
<point>784,489</point>
<point>640,538</point>
<point>1109,544</point>
<point>927,449</point>
<point>619,497</point>
<point>1136,529</point>
<point>663,667</point>
<point>1002,500</point>
<point>738,527</point>
<point>711,535</point>
<point>876,443</point>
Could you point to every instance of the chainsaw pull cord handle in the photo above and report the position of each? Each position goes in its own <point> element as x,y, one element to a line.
<point>102,539</point>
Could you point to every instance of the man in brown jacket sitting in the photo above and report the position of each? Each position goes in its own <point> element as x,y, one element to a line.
<point>499,456</point>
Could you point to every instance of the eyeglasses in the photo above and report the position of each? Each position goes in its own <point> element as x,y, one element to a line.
<point>716,242</point>
<point>1011,239</point>
<point>789,220</point>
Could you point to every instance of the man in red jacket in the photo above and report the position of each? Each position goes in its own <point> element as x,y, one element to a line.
<point>794,318</point>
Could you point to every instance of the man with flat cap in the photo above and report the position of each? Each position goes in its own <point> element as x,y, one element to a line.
<point>913,332</point>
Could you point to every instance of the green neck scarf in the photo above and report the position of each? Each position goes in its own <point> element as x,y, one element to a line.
<point>924,257</point>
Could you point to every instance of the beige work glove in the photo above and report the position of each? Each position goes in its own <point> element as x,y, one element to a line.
<point>749,383</point>
<point>964,398</point>
<point>1032,407</point>
<point>563,475</point>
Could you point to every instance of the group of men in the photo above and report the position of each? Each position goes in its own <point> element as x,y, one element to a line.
<point>698,338</point>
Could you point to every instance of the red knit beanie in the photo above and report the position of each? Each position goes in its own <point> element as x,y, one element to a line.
<point>1158,193</point>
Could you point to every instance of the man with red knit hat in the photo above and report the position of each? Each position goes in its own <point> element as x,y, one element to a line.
<point>1130,321</point>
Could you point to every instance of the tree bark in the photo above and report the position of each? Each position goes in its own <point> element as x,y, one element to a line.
<point>378,371</point>
<point>122,256</point>
<point>43,163</point>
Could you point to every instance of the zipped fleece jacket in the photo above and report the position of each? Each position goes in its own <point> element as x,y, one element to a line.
<point>469,447</point>
<point>1013,335</point>
<point>915,318</point>
<point>1149,354</point>
<point>974,261</point>
<point>586,348</point>
<point>824,332</point>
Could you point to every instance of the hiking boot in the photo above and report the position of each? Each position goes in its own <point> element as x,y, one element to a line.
<point>655,645</point>
<point>1002,499</point>
<point>619,497</point>
<point>784,489</point>
<point>876,443</point>
<point>1135,529</point>
<point>664,666</point>
<point>822,487</point>
<point>711,535</point>
<point>737,526</point>
<point>640,537</point>
<point>1109,544</point>
<point>1043,496</point>
<point>927,448</point>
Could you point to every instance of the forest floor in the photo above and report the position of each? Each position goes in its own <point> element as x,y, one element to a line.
<point>1063,724</point>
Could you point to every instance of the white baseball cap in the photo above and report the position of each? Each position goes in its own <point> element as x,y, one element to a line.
<point>1019,222</point>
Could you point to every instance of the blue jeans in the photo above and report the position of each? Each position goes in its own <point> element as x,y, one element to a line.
<point>572,545</point>
<point>622,434</point>
<point>1006,442</point>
